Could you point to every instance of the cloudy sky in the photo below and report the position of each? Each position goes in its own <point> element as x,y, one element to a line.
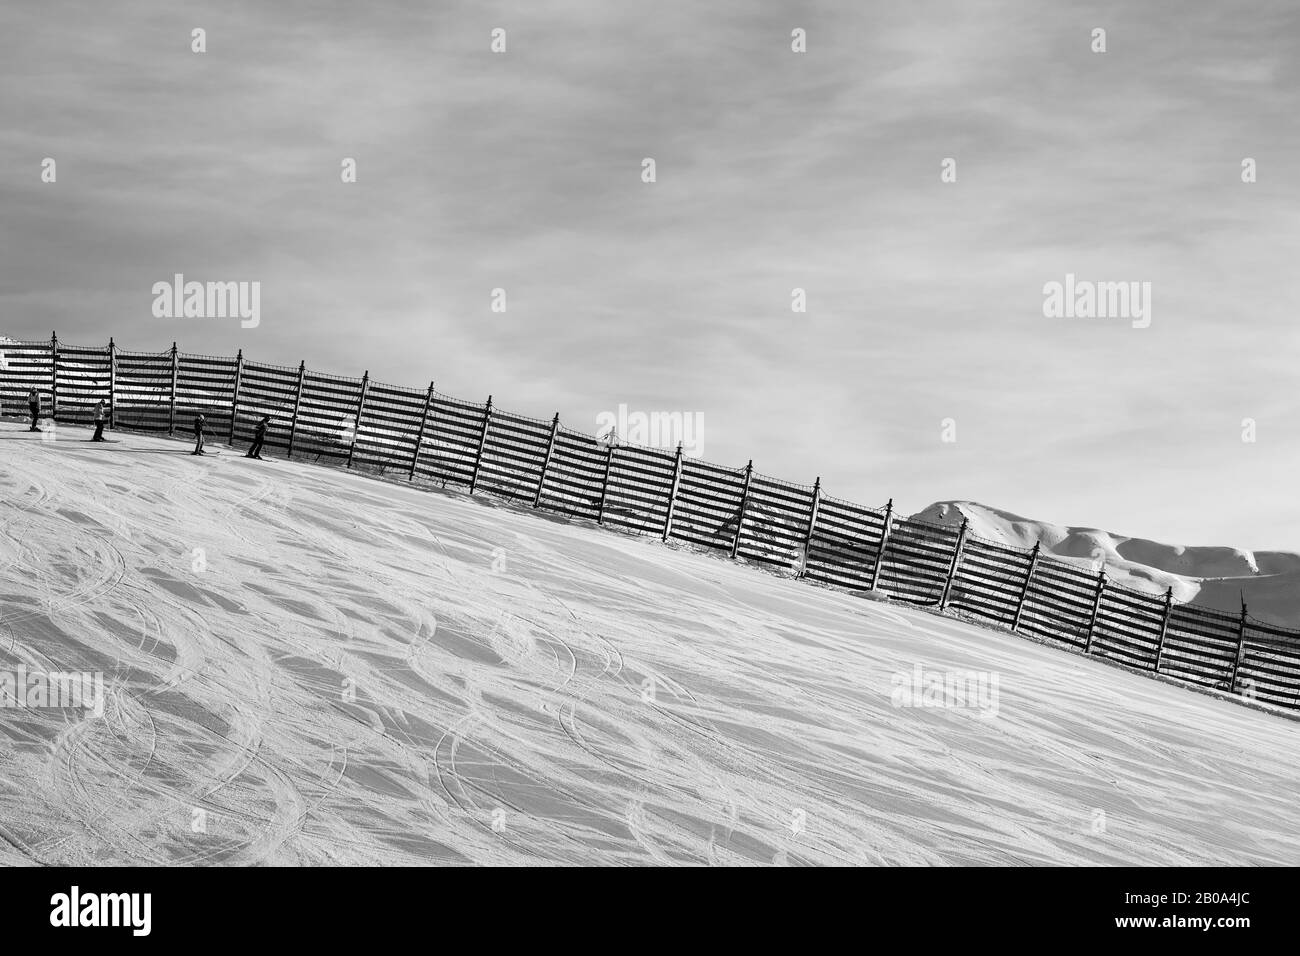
<point>775,171</point>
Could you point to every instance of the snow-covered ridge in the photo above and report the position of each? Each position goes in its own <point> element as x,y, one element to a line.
<point>1209,576</point>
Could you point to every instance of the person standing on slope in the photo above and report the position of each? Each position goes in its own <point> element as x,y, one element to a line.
<point>259,436</point>
<point>99,421</point>
<point>34,404</point>
<point>199,422</point>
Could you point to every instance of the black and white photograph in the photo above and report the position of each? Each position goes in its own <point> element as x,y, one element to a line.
<point>768,434</point>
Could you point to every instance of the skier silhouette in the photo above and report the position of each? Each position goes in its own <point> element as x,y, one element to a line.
<point>34,404</point>
<point>99,421</point>
<point>259,436</point>
<point>199,422</point>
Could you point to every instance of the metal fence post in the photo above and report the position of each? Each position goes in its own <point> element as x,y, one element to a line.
<point>112,384</point>
<point>884,541</point>
<point>356,424</point>
<point>54,376</point>
<point>1241,647</point>
<point>672,494</point>
<point>297,401</point>
<point>171,414</point>
<point>1024,591</point>
<point>546,462</point>
<point>740,515</point>
<point>419,436</point>
<point>1164,627</point>
<point>482,440</point>
<point>812,524</point>
<point>1096,608</point>
<point>952,568</point>
<point>604,485</point>
<point>234,400</point>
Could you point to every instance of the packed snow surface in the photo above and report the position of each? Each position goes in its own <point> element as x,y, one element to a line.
<point>308,666</point>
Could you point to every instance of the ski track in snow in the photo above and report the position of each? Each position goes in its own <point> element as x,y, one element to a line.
<point>355,679</point>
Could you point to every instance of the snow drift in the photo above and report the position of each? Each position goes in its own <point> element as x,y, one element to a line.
<point>306,666</point>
